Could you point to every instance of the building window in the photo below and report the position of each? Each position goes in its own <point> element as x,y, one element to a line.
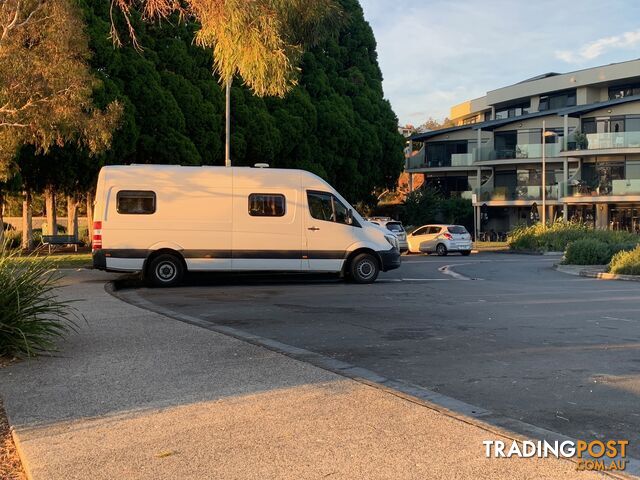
<point>558,100</point>
<point>469,121</point>
<point>515,110</point>
<point>266,205</point>
<point>439,153</point>
<point>135,202</point>
<point>624,91</point>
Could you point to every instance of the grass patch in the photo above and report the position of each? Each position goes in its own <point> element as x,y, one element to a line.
<point>626,262</point>
<point>67,260</point>
<point>491,245</point>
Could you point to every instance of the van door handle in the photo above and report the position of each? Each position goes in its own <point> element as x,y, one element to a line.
<point>313,228</point>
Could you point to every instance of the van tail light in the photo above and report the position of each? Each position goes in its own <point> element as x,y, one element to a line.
<point>448,236</point>
<point>96,241</point>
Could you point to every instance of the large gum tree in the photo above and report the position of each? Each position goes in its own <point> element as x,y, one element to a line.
<point>46,86</point>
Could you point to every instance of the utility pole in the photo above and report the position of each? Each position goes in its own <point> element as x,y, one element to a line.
<point>227,145</point>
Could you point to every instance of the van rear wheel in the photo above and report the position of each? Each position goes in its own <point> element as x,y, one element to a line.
<point>364,268</point>
<point>165,271</point>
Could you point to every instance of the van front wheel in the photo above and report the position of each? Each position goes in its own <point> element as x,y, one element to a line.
<point>364,268</point>
<point>165,271</point>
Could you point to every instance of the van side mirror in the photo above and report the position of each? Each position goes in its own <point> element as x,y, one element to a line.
<point>349,217</point>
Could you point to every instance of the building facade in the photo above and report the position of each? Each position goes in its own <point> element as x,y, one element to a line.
<point>554,146</point>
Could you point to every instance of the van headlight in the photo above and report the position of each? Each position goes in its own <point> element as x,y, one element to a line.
<point>392,240</point>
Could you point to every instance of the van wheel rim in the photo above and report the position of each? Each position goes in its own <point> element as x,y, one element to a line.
<point>366,269</point>
<point>166,271</point>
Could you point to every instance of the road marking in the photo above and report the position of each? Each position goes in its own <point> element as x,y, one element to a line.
<point>426,279</point>
<point>446,270</point>
<point>400,280</point>
<point>616,318</point>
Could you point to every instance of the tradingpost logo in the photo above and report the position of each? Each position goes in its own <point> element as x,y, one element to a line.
<point>597,455</point>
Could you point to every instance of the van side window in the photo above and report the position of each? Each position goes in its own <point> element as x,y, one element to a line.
<point>136,202</point>
<point>266,205</point>
<point>325,206</point>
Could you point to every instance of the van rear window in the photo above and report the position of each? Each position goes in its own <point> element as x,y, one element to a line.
<point>266,205</point>
<point>136,202</point>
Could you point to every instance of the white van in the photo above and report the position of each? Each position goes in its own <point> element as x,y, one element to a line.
<point>164,220</point>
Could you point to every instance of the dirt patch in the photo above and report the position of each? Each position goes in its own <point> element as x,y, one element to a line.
<point>10,465</point>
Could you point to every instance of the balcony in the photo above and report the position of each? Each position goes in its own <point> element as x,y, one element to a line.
<point>615,188</point>
<point>604,141</point>
<point>519,193</point>
<point>521,151</point>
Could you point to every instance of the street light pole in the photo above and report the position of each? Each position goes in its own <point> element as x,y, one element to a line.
<point>544,175</point>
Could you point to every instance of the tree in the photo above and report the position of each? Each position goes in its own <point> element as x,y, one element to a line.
<point>432,124</point>
<point>259,40</point>
<point>335,122</point>
<point>46,84</point>
<point>45,81</point>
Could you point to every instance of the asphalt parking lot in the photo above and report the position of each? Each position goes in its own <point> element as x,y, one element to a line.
<point>504,332</point>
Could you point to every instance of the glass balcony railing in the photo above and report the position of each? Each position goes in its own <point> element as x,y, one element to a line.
<point>598,141</point>
<point>461,159</point>
<point>525,150</point>
<point>580,188</point>
<point>528,192</point>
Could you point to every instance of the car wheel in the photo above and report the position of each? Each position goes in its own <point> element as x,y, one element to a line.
<point>165,271</point>
<point>466,253</point>
<point>441,250</point>
<point>364,268</point>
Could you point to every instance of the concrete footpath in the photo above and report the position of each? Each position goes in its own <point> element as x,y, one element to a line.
<point>136,395</point>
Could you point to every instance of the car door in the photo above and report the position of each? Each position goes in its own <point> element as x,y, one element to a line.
<point>416,238</point>
<point>430,238</point>
<point>328,231</point>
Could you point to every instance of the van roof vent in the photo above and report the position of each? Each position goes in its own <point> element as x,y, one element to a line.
<point>261,165</point>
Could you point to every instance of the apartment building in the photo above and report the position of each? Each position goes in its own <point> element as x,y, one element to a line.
<point>559,145</point>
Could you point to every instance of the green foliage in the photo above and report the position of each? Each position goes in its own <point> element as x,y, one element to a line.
<point>626,262</point>
<point>422,206</point>
<point>427,205</point>
<point>556,237</point>
<point>587,251</point>
<point>32,317</point>
<point>46,83</point>
<point>335,122</point>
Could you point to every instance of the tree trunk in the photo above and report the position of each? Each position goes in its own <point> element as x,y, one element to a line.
<point>72,216</point>
<point>50,206</point>
<point>90,216</point>
<point>27,224</point>
<point>1,219</point>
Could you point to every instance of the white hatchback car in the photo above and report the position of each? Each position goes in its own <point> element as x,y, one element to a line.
<point>440,239</point>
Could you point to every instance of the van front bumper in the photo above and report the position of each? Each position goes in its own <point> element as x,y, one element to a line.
<point>391,259</point>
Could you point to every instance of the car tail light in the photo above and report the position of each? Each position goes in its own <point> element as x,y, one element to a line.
<point>448,236</point>
<point>96,241</point>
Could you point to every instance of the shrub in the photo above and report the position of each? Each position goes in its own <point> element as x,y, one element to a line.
<point>559,235</point>
<point>32,318</point>
<point>626,262</point>
<point>587,251</point>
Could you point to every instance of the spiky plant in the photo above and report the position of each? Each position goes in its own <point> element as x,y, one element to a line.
<point>32,316</point>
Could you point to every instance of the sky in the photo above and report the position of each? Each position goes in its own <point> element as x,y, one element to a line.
<point>436,53</point>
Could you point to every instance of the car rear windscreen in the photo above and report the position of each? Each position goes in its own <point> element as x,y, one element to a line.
<point>457,229</point>
<point>394,227</point>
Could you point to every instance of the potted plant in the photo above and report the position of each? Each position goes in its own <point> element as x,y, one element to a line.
<point>581,140</point>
